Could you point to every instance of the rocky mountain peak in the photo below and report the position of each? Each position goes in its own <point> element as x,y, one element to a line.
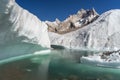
<point>80,12</point>
<point>73,22</point>
<point>57,21</point>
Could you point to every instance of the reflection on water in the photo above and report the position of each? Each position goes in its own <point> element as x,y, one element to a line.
<point>59,65</point>
<point>24,69</point>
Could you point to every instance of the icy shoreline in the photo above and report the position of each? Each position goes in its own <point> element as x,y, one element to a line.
<point>104,59</point>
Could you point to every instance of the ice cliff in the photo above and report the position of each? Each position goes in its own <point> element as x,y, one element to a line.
<point>17,25</point>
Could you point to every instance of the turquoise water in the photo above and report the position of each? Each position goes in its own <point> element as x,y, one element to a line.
<point>62,64</point>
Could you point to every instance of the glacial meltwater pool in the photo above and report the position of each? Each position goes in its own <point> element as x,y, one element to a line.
<point>60,64</point>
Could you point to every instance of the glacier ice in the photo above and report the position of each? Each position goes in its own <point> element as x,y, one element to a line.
<point>18,25</point>
<point>106,59</point>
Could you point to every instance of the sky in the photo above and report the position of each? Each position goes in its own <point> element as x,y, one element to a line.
<point>61,9</point>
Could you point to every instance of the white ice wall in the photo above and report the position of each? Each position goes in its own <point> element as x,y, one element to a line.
<point>18,25</point>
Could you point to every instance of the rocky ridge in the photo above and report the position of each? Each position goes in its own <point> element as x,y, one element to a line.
<point>73,22</point>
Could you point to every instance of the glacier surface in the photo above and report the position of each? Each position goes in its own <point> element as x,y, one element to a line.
<point>17,25</point>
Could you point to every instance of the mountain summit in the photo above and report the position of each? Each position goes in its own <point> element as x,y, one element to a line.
<point>73,22</point>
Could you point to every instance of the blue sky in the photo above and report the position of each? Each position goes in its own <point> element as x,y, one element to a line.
<point>52,9</point>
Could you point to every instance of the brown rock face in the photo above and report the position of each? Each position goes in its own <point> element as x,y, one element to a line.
<point>73,22</point>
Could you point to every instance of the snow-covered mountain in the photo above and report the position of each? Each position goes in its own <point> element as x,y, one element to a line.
<point>101,34</point>
<point>18,25</point>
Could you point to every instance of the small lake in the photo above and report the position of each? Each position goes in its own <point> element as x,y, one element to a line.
<point>55,65</point>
